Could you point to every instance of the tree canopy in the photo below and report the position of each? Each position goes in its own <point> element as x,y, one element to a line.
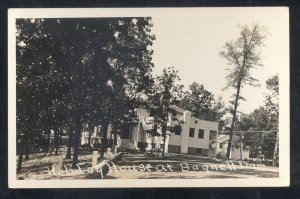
<point>264,119</point>
<point>203,104</point>
<point>78,70</point>
<point>242,55</point>
<point>166,92</point>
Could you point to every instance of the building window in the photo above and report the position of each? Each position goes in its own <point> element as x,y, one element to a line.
<point>192,132</point>
<point>177,129</point>
<point>196,121</point>
<point>201,133</point>
<point>221,145</point>
<point>199,150</point>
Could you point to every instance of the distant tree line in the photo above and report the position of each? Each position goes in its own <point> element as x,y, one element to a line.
<point>264,119</point>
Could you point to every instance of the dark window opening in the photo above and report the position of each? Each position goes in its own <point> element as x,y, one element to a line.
<point>177,130</point>
<point>201,133</point>
<point>192,132</point>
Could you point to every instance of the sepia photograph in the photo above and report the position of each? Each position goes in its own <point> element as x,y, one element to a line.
<point>148,97</point>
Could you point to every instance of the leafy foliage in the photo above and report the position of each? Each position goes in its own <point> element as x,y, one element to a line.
<point>242,55</point>
<point>203,104</point>
<point>263,119</point>
<point>165,93</point>
<point>272,101</point>
<point>74,71</point>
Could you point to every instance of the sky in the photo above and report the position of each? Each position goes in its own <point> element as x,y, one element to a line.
<point>191,42</point>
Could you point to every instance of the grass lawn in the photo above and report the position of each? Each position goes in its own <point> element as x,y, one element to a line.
<point>172,166</point>
<point>137,165</point>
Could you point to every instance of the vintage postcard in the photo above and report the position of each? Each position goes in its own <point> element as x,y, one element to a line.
<point>148,97</point>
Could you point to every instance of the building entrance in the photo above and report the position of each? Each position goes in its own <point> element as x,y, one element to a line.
<point>126,133</point>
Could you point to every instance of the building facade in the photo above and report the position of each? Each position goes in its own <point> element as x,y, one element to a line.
<point>197,136</point>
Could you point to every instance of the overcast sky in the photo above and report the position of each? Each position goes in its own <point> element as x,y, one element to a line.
<point>192,44</point>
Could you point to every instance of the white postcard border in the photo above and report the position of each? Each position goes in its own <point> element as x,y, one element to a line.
<point>284,103</point>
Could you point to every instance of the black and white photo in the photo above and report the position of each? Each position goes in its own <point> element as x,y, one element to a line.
<point>145,97</point>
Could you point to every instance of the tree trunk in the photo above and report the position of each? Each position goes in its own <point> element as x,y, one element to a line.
<point>48,141</point>
<point>115,143</point>
<point>44,145</point>
<point>60,138</point>
<point>131,129</point>
<point>68,155</point>
<point>241,151</point>
<point>26,150</point>
<point>154,132</point>
<point>164,132</point>
<point>19,166</point>
<point>104,139</point>
<point>56,138</point>
<point>89,140</point>
<point>275,150</point>
<point>76,144</point>
<point>233,118</point>
<point>152,143</point>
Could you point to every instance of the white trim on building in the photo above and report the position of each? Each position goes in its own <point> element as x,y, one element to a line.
<point>185,142</point>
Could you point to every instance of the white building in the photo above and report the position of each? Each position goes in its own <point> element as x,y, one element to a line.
<point>195,138</point>
<point>236,153</point>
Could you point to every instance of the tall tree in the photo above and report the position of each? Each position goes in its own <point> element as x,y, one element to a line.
<point>242,56</point>
<point>166,92</point>
<point>40,86</point>
<point>272,108</point>
<point>132,65</point>
<point>110,51</point>
<point>70,80</point>
<point>272,101</point>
